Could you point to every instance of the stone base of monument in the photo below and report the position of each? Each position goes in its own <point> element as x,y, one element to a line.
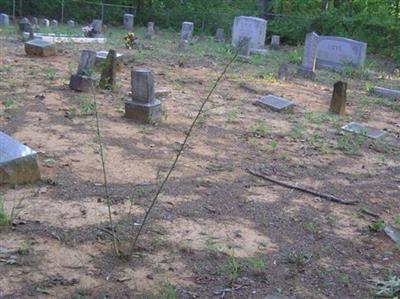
<point>101,57</point>
<point>40,48</point>
<point>18,163</point>
<point>259,51</point>
<point>81,83</point>
<point>358,128</point>
<point>143,113</point>
<point>64,38</point>
<point>276,104</point>
<point>306,73</point>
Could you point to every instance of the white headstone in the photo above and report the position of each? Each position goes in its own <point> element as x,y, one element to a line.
<point>187,30</point>
<point>334,52</point>
<point>4,20</point>
<point>71,24</point>
<point>251,27</point>
<point>128,21</point>
<point>44,23</point>
<point>54,23</point>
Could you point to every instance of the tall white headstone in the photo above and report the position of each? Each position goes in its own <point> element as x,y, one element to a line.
<point>249,27</point>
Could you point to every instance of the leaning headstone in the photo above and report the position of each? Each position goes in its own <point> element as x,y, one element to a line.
<point>38,47</point>
<point>71,24</point>
<point>187,30</point>
<point>44,23</point>
<point>109,71</point>
<point>4,20</point>
<point>219,35</point>
<point>97,26</point>
<point>244,48</point>
<point>275,103</point>
<point>387,93</point>
<point>18,163</point>
<point>335,52</point>
<point>275,42</point>
<point>150,30</point>
<point>128,21</point>
<point>24,25</point>
<point>307,68</point>
<point>338,102</point>
<point>251,27</point>
<point>357,128</point>
<point>82,80</point>
<point>53,24</point>
<point>183,45</point>
<point>144,107</point>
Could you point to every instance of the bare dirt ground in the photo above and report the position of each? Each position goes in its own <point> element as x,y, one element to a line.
<point>217,231</point>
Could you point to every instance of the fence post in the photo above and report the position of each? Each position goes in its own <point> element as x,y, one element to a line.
<point>13,12</point>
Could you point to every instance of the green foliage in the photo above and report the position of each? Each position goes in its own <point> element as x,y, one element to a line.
<point>389,288</point>
<point>5,219</point>
<point>377,226</point>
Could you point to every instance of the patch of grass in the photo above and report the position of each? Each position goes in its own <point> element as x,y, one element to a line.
<point>296,133</point>
<point>87,108</point>
<point>274,145</point>
<point>232,116</point>
<point>5,219</point>
<point>397,220</point>
<point>298,258</point>
<point>266,74</point>
<point>320,118</point>
<point>256,264</point>
<point>232,269</point>
<point>260,128</point>
<point>168,291</point>
<point>24,249</point>
<point>350,144</point>
<point>8,104</point>
<point>51,74</point>
<point>294,56</point>
<point>389,288</point>
<point>377,226</point>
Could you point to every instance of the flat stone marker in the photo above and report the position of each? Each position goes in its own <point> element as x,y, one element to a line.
<point>44,23</point>
<point>4,20</point>
<point>37,47</point>
<point>82,80</point>
<point>357,128</point>
<point>339,97</point>
<point>144,107</point>
<point>18,163</point>
<point>275,42</point>
<point>128,21</point>
<point>335,52</point>
<point>275,103</point>
<point>24,25</point>
<point>219,36</point>
<point>187,30</point>
<point>387,93</point>
<point>250,27</point>
<point>54,23</point>
<point>150,30</point>
<point>109,71</point>
<point>307,68</point>
<point>71,24</point>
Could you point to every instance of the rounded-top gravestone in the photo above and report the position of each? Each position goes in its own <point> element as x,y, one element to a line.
<point>24,25</point>
<point>4,20</point>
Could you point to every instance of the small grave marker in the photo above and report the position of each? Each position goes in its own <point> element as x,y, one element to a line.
<point>338,102</point>
<point>37,47</point>
<point>387,93</point>
<point>128,21</point>
<point>307,68</point>
<point>109,72</point>
<point>82,80</point>
<point>275,42</point>
<point>44,23</point>
<point>71,24</point>
<point>4,20</point>
<point>54,24</point>
<point>275,103</point>
<point>18,163</point>
<point>150,30</point>
<point>35,22</point>
<point>97,26</point>
<point>24,25</point>
<point>187,30</point>
<point>144,107</point>
<point>357,128</point>
<point>219,35</point>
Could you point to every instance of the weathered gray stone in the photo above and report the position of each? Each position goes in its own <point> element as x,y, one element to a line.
<point>37,47</point>
<point>54,24</point>
<point>187,30</point>
<point>387,93</point>
<point>250,27</point>
<point>4,20</point>
<point>393,233</point>
<point>35,22</point>
<point>362,129</point>
<point>109,71</point>
<point>129,21</point>
<point>150,30</point>
<point>307,68</point>
<point>144,107</point>
<point>219,35</point>
<point>339,97</point>
<point>24,25</point>
<point>335,52</point>
<point>275,42</point>
<point>18,163</point>
<point>275,103</point>
<point>44,22</point>
<point>82,80</point>
<point>71,24</point>
<point>97,26</point>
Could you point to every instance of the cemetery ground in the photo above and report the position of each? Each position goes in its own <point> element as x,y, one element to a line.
<point>217,231</point>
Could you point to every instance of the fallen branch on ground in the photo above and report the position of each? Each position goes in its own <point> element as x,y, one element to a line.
<point>303,189</point>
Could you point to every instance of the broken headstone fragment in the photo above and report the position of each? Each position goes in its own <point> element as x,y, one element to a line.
<point>357,128</point>
<point>338,102</point>
<point>219,35</point>
<point>82,80</point>
<point>275,103</point>
<point>109,71</point>
<point>18,163</point>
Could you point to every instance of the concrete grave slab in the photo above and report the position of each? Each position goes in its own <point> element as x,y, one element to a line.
<point>64,38</point>
<point>41,48</point>
<point>18,163</point>
<point>275,103</point>
<point>358,128</point>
